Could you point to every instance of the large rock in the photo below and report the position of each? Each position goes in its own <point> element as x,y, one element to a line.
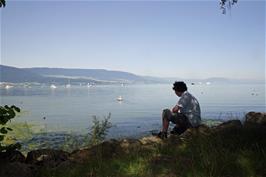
<point>150,140</point>
<point>129,145</point>
<point>80,156</point>
<point>11,156</point>
<point>200,130</point>
<point>47,157</point>
<point>255,119</point>
<point>107,149</point>
<point>16,169</point>
<point>231,124</point>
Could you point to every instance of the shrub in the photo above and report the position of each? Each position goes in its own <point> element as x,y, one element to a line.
<point>6,114</point>
<point>99,129</point>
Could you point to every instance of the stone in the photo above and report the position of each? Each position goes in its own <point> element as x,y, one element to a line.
<point>11,156</point>
<point>106,149</point>
<point>255,119</point>
<point>80,156</point>
<point>203,129</point>
<point>16,169</point>
<point>129,145</point>
<point>47,157</point>
<point>231,124</point>
<point>200,130</point>
<point>151,140</point>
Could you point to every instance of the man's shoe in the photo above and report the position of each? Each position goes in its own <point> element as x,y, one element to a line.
<point>162,135</point>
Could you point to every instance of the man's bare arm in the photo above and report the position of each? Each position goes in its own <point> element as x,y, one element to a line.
<point>176,109</point>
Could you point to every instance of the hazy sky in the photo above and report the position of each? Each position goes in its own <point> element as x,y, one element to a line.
<point>187,39</point>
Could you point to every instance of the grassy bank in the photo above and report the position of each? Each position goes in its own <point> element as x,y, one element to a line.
<point>227,153</point>
<point>36,136</point>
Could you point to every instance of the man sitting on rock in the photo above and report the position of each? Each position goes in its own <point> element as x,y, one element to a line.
<point>185,114</point>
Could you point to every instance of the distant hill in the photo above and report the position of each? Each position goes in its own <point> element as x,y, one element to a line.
<point>97,76</point>
<point>12,74</point>
<point>63,76</point>
<point>94,74</point>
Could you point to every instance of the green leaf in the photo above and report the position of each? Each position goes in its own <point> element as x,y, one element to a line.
<point>10,129</point>
<point>3,130</point>
<point>11,113</point>
<point>6,114</point>
<point>15,108</point>
<point>4,120</point>
<point>2,110</point>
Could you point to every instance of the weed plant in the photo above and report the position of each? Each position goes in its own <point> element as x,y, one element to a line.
<point>227,153</point>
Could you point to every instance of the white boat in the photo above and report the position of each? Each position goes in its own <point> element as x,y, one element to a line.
<point>53,86</point>
<point>8,86</point>
<point>120,98</point>
<point>89,85</point>
<point>68,85</point>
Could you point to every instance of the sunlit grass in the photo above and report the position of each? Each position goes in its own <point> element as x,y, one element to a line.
<point>230,152</point>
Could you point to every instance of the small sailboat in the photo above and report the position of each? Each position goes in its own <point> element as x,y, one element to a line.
<point>120,98</point>
<point>89,85</point>
<point>8,86</point>
<point>53,86</point>
<point>68,85</point>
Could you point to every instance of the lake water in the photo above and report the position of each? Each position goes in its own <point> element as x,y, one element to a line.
<point>72,109</point>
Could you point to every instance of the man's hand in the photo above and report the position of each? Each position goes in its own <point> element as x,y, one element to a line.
<point>175,109</point>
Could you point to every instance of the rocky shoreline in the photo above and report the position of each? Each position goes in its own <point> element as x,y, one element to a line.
<point>15,164</point>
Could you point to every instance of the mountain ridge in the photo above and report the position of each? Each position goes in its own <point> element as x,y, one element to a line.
<point>63,75</point>
<point>98,76</point>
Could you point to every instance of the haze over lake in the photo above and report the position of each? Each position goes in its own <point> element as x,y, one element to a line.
<point>72,109</point>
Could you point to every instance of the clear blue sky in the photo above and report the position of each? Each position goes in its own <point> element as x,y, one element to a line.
<point>187,39</point>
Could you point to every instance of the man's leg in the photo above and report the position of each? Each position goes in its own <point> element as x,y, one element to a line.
<point>182,124</point>
<point>166,115</point>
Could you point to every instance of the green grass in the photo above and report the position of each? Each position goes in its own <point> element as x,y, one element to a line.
<point>238,152</point>
<point>22,131</point>
<point>227,153</point>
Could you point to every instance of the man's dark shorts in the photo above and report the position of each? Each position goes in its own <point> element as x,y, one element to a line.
<point>181,121</point>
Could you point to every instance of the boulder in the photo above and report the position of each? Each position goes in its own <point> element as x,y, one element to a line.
<point>47,157</point>
<point>80,156</point>
<point>106,149</point>
<point>231,124</point>
<point>11,156</point>
<point>128,145</point>
<point>150,140</point>
<point>255,119</point>
<point>201,129</point>
<point>16,169</point>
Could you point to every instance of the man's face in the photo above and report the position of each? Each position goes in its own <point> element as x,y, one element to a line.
<point>178,93</point>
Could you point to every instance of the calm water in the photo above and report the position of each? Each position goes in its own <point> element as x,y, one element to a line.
<point>72,108</point>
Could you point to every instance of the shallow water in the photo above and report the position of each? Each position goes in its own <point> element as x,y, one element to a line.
<point>72,109</point>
